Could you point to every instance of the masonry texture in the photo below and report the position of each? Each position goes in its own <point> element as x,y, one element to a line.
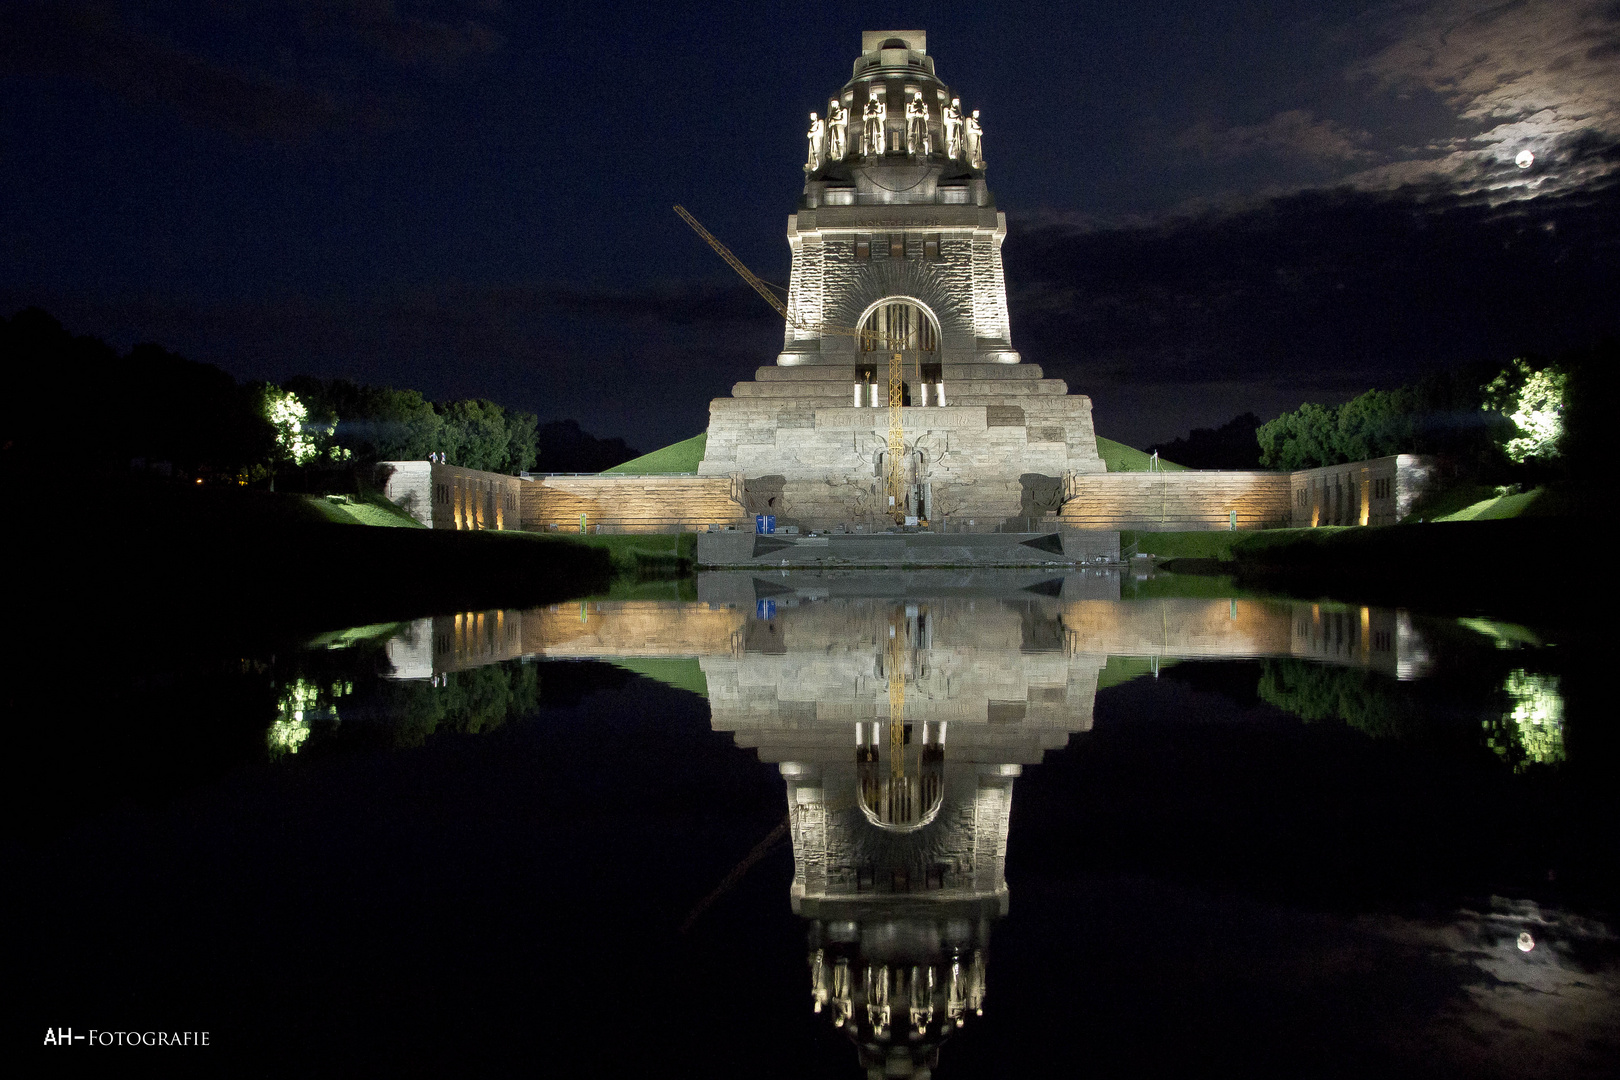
<point>448,497</point>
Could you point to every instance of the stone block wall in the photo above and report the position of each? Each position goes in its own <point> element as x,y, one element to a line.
<point>1177,501</point>
<point>1381,491</point>
<point>964,287</point>
<point>629,504</point>
<point>450,497</point>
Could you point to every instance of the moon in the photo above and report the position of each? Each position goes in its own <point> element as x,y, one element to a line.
<point>1525,159</point>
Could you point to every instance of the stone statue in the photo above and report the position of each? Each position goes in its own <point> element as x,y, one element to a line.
<point>952,120</point>
<point>876,115</point>
<point>975,141</point>
<point>818,143</point>
<point>918,143</point>
<point>837,130</point>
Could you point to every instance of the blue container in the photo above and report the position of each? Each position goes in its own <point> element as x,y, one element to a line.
<point>770,523</point>
<point>764,609</point>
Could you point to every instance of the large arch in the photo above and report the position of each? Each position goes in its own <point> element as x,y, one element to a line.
<point>899,324</point>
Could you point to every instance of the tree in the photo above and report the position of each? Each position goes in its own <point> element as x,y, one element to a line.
<point>295,437</point>
<point>475,435</point>
<point>373,423</point>
<point>1533,400</point>
<point>1302,439</point>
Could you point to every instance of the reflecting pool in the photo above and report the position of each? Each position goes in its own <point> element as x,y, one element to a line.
<point>766,824</point>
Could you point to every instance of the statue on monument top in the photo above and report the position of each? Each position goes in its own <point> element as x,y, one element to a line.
<point>818,143</point>
<point>837,130</point>
<point>875,115</point>
<point>918,143</point>
<point>952,120</point>
<point>975,141</point>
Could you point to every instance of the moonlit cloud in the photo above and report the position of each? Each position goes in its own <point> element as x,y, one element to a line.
<point>1542,75</point>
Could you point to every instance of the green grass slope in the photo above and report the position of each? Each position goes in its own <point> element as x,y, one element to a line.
<point>683,674</point>
<point>1496,508</point>
<point>346,510</point>
<point>681,457</point>
<point>1121,458</point>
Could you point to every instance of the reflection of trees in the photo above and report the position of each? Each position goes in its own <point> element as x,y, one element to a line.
<point>1522,717</point>
<point>1531,729</point>
<point>1364,700</point>
<point>395,712</point>
<point>464,702</point>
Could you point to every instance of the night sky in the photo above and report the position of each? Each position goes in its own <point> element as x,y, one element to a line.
<point>1213,208</point>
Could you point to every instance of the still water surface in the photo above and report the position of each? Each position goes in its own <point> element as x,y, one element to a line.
<point>839,824</point>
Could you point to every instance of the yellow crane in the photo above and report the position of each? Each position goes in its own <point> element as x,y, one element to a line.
<point>895,473</point>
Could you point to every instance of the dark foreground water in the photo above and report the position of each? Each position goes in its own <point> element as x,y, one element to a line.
<point>815,825</point>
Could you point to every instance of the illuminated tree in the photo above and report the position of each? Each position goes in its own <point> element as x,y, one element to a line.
<point>1534,401</point>
<point>289,417</point>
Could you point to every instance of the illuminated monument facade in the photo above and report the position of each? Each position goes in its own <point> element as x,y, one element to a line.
<point>897,249</point>
<point>897,234</point>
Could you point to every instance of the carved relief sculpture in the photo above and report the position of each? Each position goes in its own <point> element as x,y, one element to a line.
<point>837,130</point>
<point>876,115</point>
<point>952,120</point>
<point>918,143</point>
<point>818,143</point>
<point>975,141</point>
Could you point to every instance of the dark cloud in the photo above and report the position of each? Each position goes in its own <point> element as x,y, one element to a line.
<point>1316,295</point>
<point>408,37</point>
<point>642,361</point>
<point>91,41</point>
<point>234,73</point>
<point>1293,133</point>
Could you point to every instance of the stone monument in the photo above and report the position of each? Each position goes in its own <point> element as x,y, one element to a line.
<point>900,238</point>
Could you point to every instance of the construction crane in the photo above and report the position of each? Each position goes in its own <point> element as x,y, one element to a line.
<point>895,473</point>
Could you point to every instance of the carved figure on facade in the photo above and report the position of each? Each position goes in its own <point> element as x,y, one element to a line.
<point>818,143</point>
<point>975,141</point>
<point>837,130</point>
<point>952,122</point>
<point>918,143</point>
<point>875,116</point>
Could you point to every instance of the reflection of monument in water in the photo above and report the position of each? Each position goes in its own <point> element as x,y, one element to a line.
<point>899,710</point>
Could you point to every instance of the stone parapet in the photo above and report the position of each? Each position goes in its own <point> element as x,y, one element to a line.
<point>450,497</point>
<point>632,503</point>
<point>1177,501</point>
<point>1380,491</point>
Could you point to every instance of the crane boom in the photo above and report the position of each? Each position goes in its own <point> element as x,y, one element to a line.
<point>868,338</point>
<point>737,265</point>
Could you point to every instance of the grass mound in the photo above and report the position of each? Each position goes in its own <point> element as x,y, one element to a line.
<point>1496,508</point>
<point>347,510</point>
<point>681,457</point>
<point>683,674</point>
<point>1121,458</point>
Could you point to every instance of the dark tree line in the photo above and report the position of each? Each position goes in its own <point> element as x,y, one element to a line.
<point>1529,420</point>
<point>75,400</point>
<point>1230,446</point>
<point>378,423</point>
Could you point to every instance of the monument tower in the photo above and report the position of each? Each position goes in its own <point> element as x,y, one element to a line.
<point>897,234</point>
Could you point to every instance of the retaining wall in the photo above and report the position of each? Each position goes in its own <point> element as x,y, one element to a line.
<point>632,504</point>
